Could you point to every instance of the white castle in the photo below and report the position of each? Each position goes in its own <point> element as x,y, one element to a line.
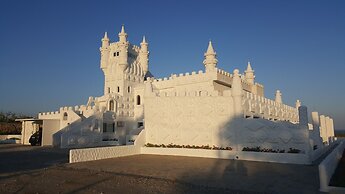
<point>211,107</point>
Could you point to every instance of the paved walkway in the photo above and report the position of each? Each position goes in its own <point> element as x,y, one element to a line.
<point>230,174</point>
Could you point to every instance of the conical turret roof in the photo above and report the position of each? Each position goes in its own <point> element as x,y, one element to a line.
<point>210,49</point>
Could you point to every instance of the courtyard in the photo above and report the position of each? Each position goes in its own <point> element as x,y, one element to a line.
<point>26,169</point>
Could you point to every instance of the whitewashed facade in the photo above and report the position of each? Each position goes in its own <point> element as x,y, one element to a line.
<point>210,107</point>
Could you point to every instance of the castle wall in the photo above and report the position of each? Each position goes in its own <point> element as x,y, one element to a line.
<point>188,120</point>
<point>209,120</point>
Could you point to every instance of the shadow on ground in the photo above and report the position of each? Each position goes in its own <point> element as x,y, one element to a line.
<point>18,158</point>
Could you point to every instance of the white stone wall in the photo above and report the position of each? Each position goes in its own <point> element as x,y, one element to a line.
<point>50,127</point>
<point>209,120</point>
<point>234,155</point>
<point>328,166</point>
<point>89,154</point>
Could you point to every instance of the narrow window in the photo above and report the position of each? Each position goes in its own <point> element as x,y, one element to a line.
<point>111,105</point>
<point>129,89</point>
<point>118,89</point>
<point>138,100</point>
<point>65,116</point>
<point>113,127</point>
<point>104,127</point>
<point>118,53</point>
<point>108,90</point>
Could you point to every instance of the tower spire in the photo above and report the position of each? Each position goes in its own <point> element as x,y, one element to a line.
<point>105,40</point>
<point>249,74</point>
<point>210,49</point>
<point>210,60</point>
<point>105,35</point>
<point>144,55</point>
<point>249,67</point>
<point>123,34</point>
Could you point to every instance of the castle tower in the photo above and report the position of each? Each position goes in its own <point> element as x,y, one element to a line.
<point>210,60</point>
<point>123,47</point>
<point>279,97</point>
<point>249,74</point>
<point>144,55</point>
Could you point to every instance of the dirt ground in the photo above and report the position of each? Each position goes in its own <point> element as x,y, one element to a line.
<point>26,169</point>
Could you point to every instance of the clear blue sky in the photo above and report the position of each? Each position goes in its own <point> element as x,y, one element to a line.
<point>49,50</point>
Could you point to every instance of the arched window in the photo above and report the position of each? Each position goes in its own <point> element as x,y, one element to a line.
<point>111,105</point>
<point>65,116</point>
<point>138,100</point>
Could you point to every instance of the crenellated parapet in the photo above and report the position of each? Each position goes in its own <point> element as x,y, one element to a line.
<point>261,107</point>
<point>181,79</point>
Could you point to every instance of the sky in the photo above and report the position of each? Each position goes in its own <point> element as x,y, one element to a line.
<point>49,50</point>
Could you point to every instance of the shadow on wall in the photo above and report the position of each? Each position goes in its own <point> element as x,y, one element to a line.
<point>81,133</point>
<point>239,176</point>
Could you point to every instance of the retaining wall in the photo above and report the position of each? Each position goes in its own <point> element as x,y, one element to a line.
<point>328,166</point>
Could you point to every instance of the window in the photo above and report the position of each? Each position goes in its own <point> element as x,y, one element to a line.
<point>104,127</point>
<point>140,124</point>
<point>116,54</point>
<point>108,90</point>
<point>129,89</point>
<point>113,126</point>
<point>138,100</point>
<point>111,105</point>
<point>65,116</point>
<point>118,89</point>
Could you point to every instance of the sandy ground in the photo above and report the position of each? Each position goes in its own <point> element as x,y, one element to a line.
<point>26,169</point>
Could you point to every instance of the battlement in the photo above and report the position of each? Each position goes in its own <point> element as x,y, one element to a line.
<point>181,79</point>
<point>258,106</point>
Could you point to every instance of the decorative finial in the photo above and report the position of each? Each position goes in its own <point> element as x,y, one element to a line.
<point>123,29</point>
<point>210,49</point>
<point>105,35</point>
<point>144,39</point>
<point>249,67</point>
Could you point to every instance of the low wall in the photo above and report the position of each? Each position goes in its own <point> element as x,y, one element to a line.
<point>290,158</point>
<point>90,154</point>
<point>328,166</point>
<point>226,154</point>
